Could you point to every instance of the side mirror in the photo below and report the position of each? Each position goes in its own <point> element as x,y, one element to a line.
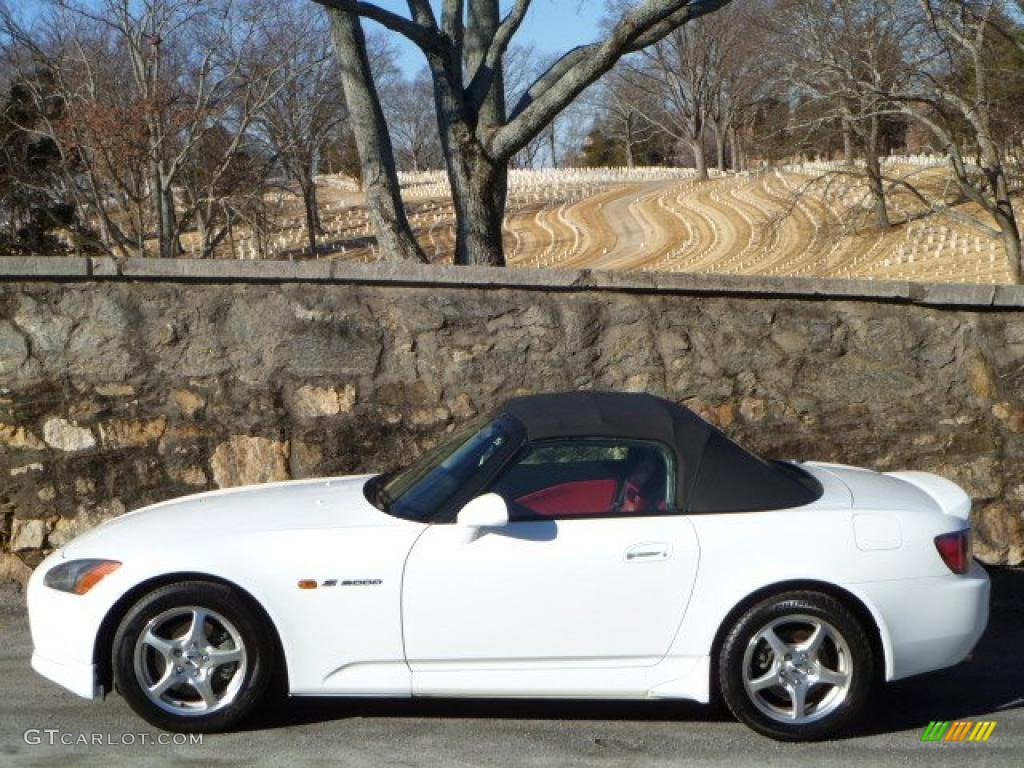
<point>487,511</point>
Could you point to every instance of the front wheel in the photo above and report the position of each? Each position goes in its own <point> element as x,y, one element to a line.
<point>796,667</point>
<point>192,657</point>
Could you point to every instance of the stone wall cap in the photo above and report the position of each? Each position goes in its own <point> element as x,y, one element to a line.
<point>22,268</point>
<point>42,267</point>
<point>222,270</point>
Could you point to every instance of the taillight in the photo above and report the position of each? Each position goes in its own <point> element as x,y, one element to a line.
<point>955,549</point>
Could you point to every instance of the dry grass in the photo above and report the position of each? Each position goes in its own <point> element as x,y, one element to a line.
<point>801,220</point>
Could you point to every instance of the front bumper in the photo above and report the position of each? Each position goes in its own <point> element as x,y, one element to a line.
<point>64,629</point>
<point>76,677</point>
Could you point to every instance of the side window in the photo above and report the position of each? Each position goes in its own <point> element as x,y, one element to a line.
<point>587,478</point>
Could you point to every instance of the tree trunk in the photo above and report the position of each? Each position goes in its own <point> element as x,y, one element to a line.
<point>1011,244</point>
<point>155,194</point>
<point>162,196</point>
<point>231,239</point>
<point>478,181</point>
<point>478,238</point>
<point>373,142</point>
<point>312,218</point>
<point>1004,215</point>
<point>629,140</point>
<point>105,237</point>
<point>140,244</point>
<point>881,212</point>
<point>170,246</point>
<point>700,162</point>
<point>734,149</point>
<point>202,230</point>
<point>874,173</point>
<point>848,157</point>
<point>478,190</point>
<point>719,146</point>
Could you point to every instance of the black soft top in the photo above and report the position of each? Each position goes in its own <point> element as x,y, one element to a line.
<point>714,473</point>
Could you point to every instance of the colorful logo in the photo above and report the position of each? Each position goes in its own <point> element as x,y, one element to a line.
<point>958,730</point>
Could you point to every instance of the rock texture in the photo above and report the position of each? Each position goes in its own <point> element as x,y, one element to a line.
<point>308,402</point>
<point>117,393</point>
<point>62,435</point>
<point>244,460</point>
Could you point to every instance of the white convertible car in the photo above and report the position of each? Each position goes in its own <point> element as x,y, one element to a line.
<point>571,545</point>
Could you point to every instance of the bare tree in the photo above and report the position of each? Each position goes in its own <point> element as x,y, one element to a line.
<point>623,102</point>
<point>373,141</point>
<point>97,131</point>
<point>409,109</point>
<point>152,38</point>
<point>186,80</point>
<point>847,55</point>
<point>308,105</point>
<point>679,77</point>
<point>465,49</point>
<point>745,65</point>
<point>951,94</point>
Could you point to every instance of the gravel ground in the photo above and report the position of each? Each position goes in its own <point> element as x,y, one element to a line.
<point>446,733</point>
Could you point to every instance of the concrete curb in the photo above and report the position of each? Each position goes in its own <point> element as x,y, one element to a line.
<point>23,269</point>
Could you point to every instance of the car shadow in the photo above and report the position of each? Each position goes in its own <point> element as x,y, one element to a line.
<point>991,682</point>
<point>304,711</point>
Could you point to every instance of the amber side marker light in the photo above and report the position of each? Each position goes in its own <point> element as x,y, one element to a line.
<point>92,577</point>
<point>79,576</point>
<point>307,584</point>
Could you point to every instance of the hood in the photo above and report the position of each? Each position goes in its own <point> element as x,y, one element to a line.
<point>300,504</point>
<point>874,490</point>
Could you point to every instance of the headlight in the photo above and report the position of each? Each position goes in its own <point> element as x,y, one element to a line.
<point>79,576</point>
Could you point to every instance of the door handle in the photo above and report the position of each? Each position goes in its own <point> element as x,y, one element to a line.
<point>649,552</point>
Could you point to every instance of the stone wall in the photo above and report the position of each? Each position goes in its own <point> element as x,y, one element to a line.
<point>123,385</point>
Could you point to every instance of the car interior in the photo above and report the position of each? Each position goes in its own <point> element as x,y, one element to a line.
<point>575,478</point>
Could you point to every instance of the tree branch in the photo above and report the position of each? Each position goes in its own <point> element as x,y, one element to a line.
<point>573,73</point>
<point>424,36</point>
<point>942,209</point>
<point>482,80</point>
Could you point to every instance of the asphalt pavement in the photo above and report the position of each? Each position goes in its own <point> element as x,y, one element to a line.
<point>43,725</point>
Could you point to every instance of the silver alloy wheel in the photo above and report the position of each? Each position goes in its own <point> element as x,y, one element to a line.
<point>797,669</point>
<point>190,661</point>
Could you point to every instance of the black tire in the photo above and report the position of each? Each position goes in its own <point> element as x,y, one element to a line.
<point>830,708</point>
<point>242,684</point>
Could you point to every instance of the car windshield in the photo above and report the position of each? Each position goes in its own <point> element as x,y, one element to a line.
<point>436,480</point>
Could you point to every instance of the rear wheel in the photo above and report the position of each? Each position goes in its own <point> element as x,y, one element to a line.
<point>796,667</point>
<point>192,657</point>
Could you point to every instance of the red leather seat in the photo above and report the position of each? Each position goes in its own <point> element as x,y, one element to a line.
<point>581,497</point>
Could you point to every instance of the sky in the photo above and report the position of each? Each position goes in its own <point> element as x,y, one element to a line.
<point>552,26</point>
